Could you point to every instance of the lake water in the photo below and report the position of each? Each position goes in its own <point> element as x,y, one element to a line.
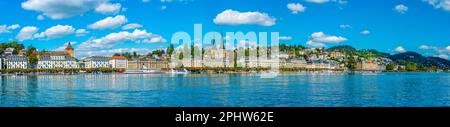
<point>291,90</point>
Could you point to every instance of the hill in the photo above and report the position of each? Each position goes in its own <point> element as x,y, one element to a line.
<point>420,60</point>
<point>343,48</point>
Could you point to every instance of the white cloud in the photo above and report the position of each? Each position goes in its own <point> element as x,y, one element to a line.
<point>321,37</point>
<point>62,9</point>
<point>57,31</point>
<point>296,8</point>
<point>426,47</point>
<point>285,38</point>
<point>439,4</point>
<point>109,23</point>
<point>231,17</point>
<point>110,52</point>
<point>113,39</point>
<point>401,8</point>
<point>145,1</point>
<point>318,1</point>
<point>400,49</point>
<point>131,26</point>
<point>438,52</point>
<point>365,32</point>
<point>345,26</point>
<point>40,17</point>
<point>108,8</point>
<point>163,7</point>
<point>315,44</point>
<point>326,1</point>
<point>26,33</point>
<point>153,40</point>
<point>13,27</point>
<point>443,56</point>
<point>318,39</point>
<point>7,29</point>
<point>81,32</point>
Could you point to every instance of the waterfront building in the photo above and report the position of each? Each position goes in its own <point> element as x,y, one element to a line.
<point>146,63</point>
<point>323,64</point>
<point>118,62</point>
<point>369,65</point>
<point>56,61</point>
<point>81,64</point>
<point>16,62</point>
<point>294,63</point>
<point>96,62</point>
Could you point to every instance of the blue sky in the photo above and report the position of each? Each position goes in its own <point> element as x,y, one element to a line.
<point>386,25</point>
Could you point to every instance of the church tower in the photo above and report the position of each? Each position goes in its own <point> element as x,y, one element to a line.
<point>70,50</point>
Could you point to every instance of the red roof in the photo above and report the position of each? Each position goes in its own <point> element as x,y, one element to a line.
<point>118,57</point>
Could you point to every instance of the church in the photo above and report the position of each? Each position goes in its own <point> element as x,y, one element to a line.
<point>58,59</point>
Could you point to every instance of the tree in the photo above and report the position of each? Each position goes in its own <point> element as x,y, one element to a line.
<point>181,56</point>
<point>351,63</point>
<point>31,55</point>
<point>15,45</point>
<point>410,66</point>
<point>170,50</point>
<point>390,67</point>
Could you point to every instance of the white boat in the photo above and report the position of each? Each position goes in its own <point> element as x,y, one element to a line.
<point>269,74</point>
<point>179,71</point>
<point>143,72</point>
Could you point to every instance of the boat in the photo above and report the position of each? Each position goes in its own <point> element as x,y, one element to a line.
<point>269,74</point>
<point>143,72</point>
<point>184,71</point>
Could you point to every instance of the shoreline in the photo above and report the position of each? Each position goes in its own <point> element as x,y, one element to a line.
<point>166,71</point>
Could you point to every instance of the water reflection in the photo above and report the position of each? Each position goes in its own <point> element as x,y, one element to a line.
<point>386,89</point>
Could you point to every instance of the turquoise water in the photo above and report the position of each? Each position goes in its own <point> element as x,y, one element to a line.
<point>110,90</point>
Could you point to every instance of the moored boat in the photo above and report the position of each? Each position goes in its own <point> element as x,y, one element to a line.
<point>143,72</point>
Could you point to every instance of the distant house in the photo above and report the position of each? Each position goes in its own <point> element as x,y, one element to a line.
<point>8,51</point>
<point>118,62</point>
<point>16,62</point>
<point>97,62</point>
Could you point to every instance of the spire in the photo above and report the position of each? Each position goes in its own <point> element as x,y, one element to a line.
<point>69,47</point>
<point>214,40</point>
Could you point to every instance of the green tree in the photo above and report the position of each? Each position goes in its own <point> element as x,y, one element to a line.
<point>390,67</point>
<point>351,63</point>
<point>31,55</point>
<point>15,45</point>
<point>181,56</point>
<point>410,66</point>
<point>170,49</point>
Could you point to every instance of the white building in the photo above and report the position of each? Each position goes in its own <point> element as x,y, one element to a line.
<point>16,62</point>
<point>97,62</point>
<point>118,62</point>
<point>57,61</point>
<point>9,51</point>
